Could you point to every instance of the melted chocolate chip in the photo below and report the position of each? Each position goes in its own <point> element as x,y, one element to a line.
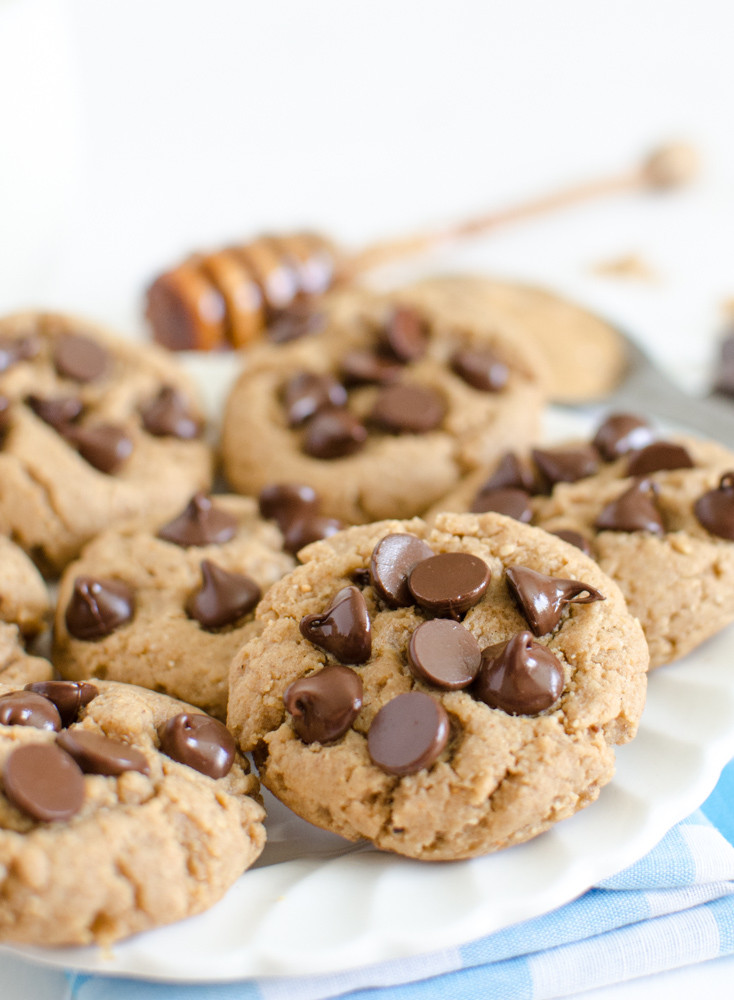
<point>325,704</point>
<point>510,472</point>
<point>170,415</point>
<point>393,560</point>
<point>307,394</point>
<point>368,366</point>
<point>444,653</point>
<point>344,629</point>
<point>361,577</point>
<point>658,457</point>
<point>98,754</point>
<point>449,583</point>
<point>201,523</point>
<point>566,465</point>
<point>200,742</point>
<point>223,597</point>
<point>408,409</point>
<point>44,782</point>
<point>408,733</point>
<point>541,599</point>
<point>621,433</point>
<point>634,510</point>
<point>98,607</point>
<point>309,528</point>
<point>106,447</point>
<point>25,708</point>
<point>520,677</point>
<point>715,509</point>
<point>482,370</point>
<point>80,358</point>
<point>69,697</point>
<point>504,500</point>
<point>406,335</point>
<point>334,434</point>
<point>57,413</point>
<point>574,538</point>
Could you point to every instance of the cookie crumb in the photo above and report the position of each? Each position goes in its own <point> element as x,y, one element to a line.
<point>630,266</point>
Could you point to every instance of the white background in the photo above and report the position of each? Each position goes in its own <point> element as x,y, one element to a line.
<point>132,133</point>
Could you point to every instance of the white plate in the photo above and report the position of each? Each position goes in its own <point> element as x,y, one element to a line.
<point>316,904</point>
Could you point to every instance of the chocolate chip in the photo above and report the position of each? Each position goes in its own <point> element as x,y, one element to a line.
<point>369,366</point>
<point>169,414</point>
<point>566,465</point>
<point>715,509</point>
<point>299,319</point>
<point>44,782</point>
<point>393,560</point>
<point>325,704</point>
<point>25,708</point>
<point>344,629</point>
<point>361,577</point>
<point>334,434</point>
<point>201,523</point>
<point>98,607</point>
<point>223,597</point>
<point>505,500</point>
<point>69,697</point>
<point>520,677</point>
<point>408,733</point>
<point>444,653</point>
<point>634,510</point>
<point>658,457</point>
<point>306,394</point>
<point>106,447</point>
<point>286,502</point>
<point>621,433</point>
<point>57,413</point>
<point>406,334</point>
<point>449,583</point>
<point>408,409</point>
<point>4,414</point>
<point>200,742</point>
<point>80,358</point>
<point>574,538</point>
<point>13,351</point>
<point>541,599</point>
<point>481,370</point>
<point>309,528</point>
<point>98,754</point>
<point>510,471</point>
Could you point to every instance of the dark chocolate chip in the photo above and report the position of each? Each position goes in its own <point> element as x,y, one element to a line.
<point>369,366</point>
<point>393,560</point>
<point>574,538</point>
<point>481,370</point>
<point>106,447</point>
<point>520,677</point>
<point>621,433</point>
<point>566,465</point>
<point>325,704</point>
<point>56,412</point>
<point>69,697</point>
<point>715,509</point>
<point>200,742</point>
<point>510,472</point>
<point>541,599</point>
<point>201,523</point>
<point>98,607</point>
<point>44,782</point>
<point>286,502</point>
<point>98,754</point>
<point>25,708</point>
<point>408,409</point>
<point>306,394</point>
<point>408,733</point>
<point>504,500</point>
<point>449,583</point>
<point>223,597</point>
<point>406,334</point>
<point>658,457</point>
<point>344,629</point>
<point>634,510</point>
<point>80,358</point>
<point>444,653</point>
<point>334,434</point>
<point>309,528</point>
<point>169,414</point>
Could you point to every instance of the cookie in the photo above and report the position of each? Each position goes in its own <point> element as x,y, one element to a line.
<point>120,810</point>
<point>17,667</point>
<point>442,691</point>
<point>167,605</point>
<point>24,600</point>
<point>94,429</point>
<point>383,410</point>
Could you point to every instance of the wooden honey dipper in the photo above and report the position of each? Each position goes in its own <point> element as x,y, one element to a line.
<point>231,297</point>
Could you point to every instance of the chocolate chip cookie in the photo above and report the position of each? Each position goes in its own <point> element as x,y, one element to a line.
<point>24,599</point>
<point>442,691</point>
<point>93,429</point>
<point>383,410</point>
<point>167,604</point>
<point>18,667</point>
<point>120,810</point>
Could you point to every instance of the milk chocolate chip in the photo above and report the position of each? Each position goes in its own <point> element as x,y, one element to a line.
<point>69,697</point>
<point>25,708</point>
<point>98,754</point>
<point>223,597</point>
<point>393,560</point>
<point>566,465</point>
<point>80,358</point>
<point>344,629</point>
<point>307,394</point>
<point>369,366</point>
<point>408,409</point>
<point>169,415</point>
<point>449,583</point>
<point>201,523</point>
<point>334,434</point>
<point>520,677</point>
<point>505,500</point>
<point>44,782</point>
<point>311,528</point>
<point>200,742</point>
<point>325,704</point>
<point>658,457</point>
<point>715,509</point>
<point>406,334</point>
<point>481,370</point>
<point>541,599</point>
<point>634,510</point>
<point>444,653</point>
<point>621,433</point>
<point>286,502</point>
<point>510,472</point>
<point>98,607</point>
<point>58,412</point>
<point>408,733</point>
<point>106,447</point>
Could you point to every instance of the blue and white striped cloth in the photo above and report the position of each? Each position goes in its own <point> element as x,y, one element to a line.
<point>672,908</point>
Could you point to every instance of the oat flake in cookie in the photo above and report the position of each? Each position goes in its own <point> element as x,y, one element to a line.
<point>386,408</point>
<point>131,810</point>
<point>473,722</point>
<point>93,428</point>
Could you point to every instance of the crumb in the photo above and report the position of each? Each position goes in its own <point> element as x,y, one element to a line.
<point>628,266</point>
